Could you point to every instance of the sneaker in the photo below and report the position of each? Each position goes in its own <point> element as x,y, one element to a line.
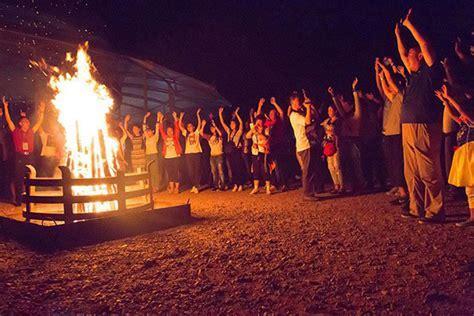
<point>466,223</point>
<point>438,219</point>
<point>235,188</point>
<point>240,189</point>
<point>283,188</point>
<point>196,190</point>
<point>254,191</point>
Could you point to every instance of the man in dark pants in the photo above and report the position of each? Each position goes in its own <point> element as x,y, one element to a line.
<point>23,141</point>
<point>304,151</point>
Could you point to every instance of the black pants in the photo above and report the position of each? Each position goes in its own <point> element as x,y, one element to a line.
<point>172,168</point>
<point>194,168</point>
<point>279,155</point>
<point>372,161</point>
<point>393,150</point>
<point>20,169</point>
<point>260,167</point>
<point>237,167</point>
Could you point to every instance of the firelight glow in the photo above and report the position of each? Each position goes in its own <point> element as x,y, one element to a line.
<point>83,104</point>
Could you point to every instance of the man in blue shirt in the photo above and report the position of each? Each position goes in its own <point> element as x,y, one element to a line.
<point>421,128</point>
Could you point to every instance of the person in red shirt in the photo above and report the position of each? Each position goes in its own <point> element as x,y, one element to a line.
<point>23,142</point>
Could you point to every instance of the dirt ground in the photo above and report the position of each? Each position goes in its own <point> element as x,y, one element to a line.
<point>256,255</point>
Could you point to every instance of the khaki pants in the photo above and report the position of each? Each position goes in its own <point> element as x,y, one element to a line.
<point>421,155</point>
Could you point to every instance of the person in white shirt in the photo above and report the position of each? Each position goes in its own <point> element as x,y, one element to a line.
<point>151,151</point>
<point>193,150</point>
<point>300,117</point>
<point>216,158</point>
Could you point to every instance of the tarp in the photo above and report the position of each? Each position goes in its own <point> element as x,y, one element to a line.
<point>137,85</point>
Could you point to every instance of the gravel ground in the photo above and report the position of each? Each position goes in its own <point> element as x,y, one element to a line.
<point>256,254</point>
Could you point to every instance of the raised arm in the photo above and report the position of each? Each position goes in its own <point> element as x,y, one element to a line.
<point>457,106</point>
<point>180,122</point>
<point>199,121</point>
<point>144,126</point>
<point>38,123</point>
<point>260,106</point>
<point>8,118</point>
<point>277,107</point>
<point>386,89</point>
<point>389,80</point>
<point>402,50</point>
<point>426,48</point>
<point>159,124</point>
<point>201,130</point>
<point>221,118</point>
<point>357,106</point>
<point>336,102</point>
<point>125,126</point>
<point>241,124</point>
<point>307,105</point>
<point>377,79</point>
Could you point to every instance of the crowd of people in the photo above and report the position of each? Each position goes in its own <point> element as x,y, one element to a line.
<point>411,138</point>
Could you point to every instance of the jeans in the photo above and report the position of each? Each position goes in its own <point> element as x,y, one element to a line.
<point>307,163</point>
<point>217,169</point>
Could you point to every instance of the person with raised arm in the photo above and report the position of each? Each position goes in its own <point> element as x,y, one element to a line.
<point>23,141</point>
<point>193,150</point>
<point>349,141</point>
<point>137,153</point>
<point>151,151</point>
<point>233,148</point>
<point>462,167</point>
<point>216,158</point>
<point>172,150</point>
<point>392,95</point>
<point>421,128</point>
<point>299,114</point>
<point>278,143</point>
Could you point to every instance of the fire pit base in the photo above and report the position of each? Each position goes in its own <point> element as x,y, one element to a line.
<point>93,231</point>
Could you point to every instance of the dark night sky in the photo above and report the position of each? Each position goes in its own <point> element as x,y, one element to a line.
<point>256,48</point>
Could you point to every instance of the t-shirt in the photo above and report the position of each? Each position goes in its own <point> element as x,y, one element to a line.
<point>170,148</point>
<point>150,144</point>
<point>235,137</point>
<point>23,141</point>
<point>193,145</point>
<point>419,103</point>
<point>391,115</point>
<point>215,143</point>
<point>277,131</point>
<point>298,124</point>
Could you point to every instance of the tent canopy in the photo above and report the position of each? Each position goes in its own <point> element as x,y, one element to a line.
<point>137,85</point>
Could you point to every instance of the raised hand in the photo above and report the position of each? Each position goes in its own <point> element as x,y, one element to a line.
<point>181,115</point>
<point>439,95</point>
<point>4,101</point>
<point>444,90</point>
<point>397,29</point>
<point>273,101</point>
<point>408,18</point>
<point>354,83</point>
<point>159,116</point>
<point>221,110</point>
<point>237,111</point>
<point>127,118</point>
<point>203,123</point>
<point>198,112</point>
<point>175,115</point>
<point>261,101</point>
<point>331,91</point>
<point>147,115</point>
